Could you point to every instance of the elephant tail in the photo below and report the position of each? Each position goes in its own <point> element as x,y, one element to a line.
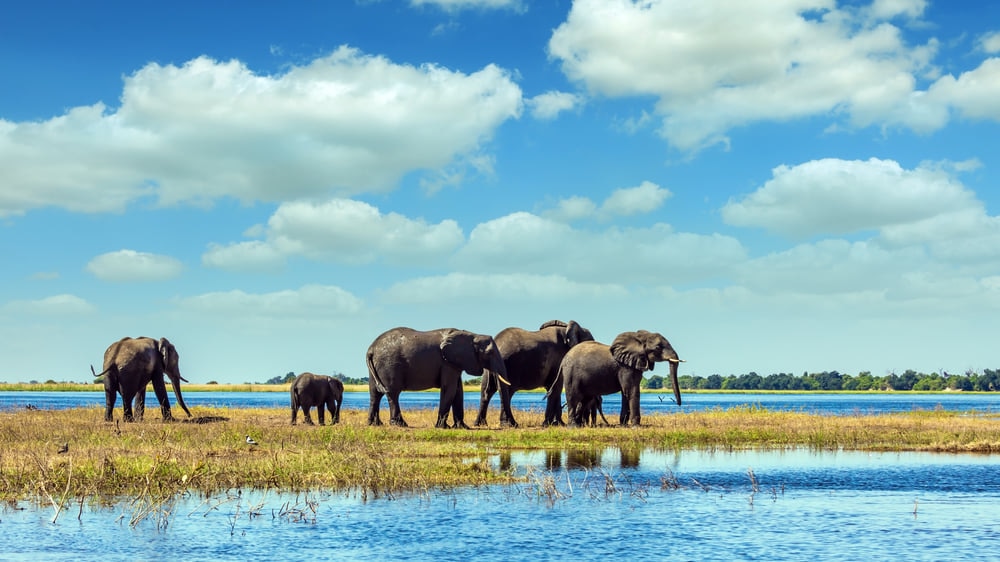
<point>295,398</point>
<point>556,384</point>
<point>373,374</point>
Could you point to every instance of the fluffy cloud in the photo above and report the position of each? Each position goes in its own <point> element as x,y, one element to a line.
<point>643,198</point>
<point>344,123</point>
<point>310,301</point>
<point>832,196</point>
<point>57,305</point>
<point>527,243</point>
<point>550,104</point>
<point>340,230</point>
<point>130,265</point>
<point>498,287</point>
<point>458,5</point>
<point>790,59</point>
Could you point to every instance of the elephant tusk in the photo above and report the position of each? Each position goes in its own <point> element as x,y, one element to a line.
<point>677,360</point>
<point>503,380</point>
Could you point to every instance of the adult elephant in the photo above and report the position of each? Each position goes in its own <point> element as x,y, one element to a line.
<point>532,360</point>
<point>594,369</point>
<point>132,363</point>
<point>406,359</point>
<point>326,393</point>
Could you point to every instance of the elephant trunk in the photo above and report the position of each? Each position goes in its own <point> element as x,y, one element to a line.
<point>175,381</point>
<point>496,368</point>
<point>673,380</point>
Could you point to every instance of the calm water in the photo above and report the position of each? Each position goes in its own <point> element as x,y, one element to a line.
<point>785,505</point>
<point>833,404</point>
<point>587,505</point>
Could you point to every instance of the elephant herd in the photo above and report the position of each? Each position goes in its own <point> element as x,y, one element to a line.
<point>557,356</point>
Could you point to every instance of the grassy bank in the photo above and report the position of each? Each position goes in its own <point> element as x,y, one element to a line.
<point>208,454</point>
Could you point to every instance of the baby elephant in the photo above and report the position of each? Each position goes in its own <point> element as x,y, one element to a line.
<point>310,390</point>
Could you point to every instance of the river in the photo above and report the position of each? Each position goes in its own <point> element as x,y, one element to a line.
<point>790,504</point>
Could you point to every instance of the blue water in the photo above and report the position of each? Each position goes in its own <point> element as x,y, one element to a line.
<point>832,404</point>
<point>678,505</point>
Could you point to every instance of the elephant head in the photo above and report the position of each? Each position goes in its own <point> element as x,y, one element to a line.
<point>172,370</point>
<point>573,333</point>
<point>641,351</point>
<point>576,333</point>
<point>473,353</point>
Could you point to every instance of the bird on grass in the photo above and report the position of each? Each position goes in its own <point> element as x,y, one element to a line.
<point>250,441</point>
<point>64,448</point>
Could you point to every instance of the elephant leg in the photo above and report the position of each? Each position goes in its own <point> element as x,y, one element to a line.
<point>506,415</point>
<point>553,408</point>
<point>458,409</point>
<point>395,413</point>
<point>633,406</point>
<point>295,414</point>
<point>160,390</point>
<point>375,399</point>
<point>336,414</point>
<point>127,400</point>
<point>139,404</point>
<point>305,414</point>
<point>444,405</point>
<point>321,409</point>
<point>110,397</point>
<point>484,403</point>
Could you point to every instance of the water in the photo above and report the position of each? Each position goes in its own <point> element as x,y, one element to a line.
<point>684,505</point>
<point>832,404</point>
<point>587,505</point>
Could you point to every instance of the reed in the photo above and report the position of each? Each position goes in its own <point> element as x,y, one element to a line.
<point>156,461</point>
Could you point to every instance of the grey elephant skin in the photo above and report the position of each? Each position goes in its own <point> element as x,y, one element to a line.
<point>407,359</point>
<point>594,369</point>
<point>324,392</point>
<point>532,360</point>
<point>132,363</point>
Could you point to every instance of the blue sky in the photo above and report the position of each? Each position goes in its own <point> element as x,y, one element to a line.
<point>774,185</point>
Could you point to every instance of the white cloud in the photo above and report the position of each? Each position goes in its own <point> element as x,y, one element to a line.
<point>549,105</point>
<point>57,305</point>
<point>340,230</point>
<point>310,301</point>
<point>789,59</point>
<point>515,288</point>
<point>990,42</point>
<point>644,198</point>
<point>526,243</point>
<point>130,265</point>
<point>459,5</point>
<point>252,255</point>
<point>628,201</point>
<point>973,94</point>
<point>833,196</point>
<point>345,123</point>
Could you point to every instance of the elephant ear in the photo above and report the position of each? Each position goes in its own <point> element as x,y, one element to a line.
<point>457,348</point>
<point>628,350</point>
<point>576,333</point>
<point>168,351</point>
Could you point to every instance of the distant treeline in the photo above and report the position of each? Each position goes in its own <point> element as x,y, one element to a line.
<point>290,376</point>
<point>987,381</point>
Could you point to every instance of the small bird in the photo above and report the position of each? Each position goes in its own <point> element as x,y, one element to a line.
<point>250,441</point>
<point>64,448</point>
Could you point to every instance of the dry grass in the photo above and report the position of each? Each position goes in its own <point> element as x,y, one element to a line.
<point>155,459</point>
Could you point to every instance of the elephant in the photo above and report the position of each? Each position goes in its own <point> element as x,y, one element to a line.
<point>406,359</point>
<point>132,363</point>
<point>532,360</point>
<point>594,369</point>
<point>310,390</point>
